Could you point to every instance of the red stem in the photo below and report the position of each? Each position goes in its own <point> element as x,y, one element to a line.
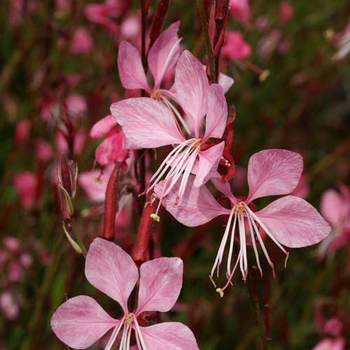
<point>110,205</point>
<point>140,252</point>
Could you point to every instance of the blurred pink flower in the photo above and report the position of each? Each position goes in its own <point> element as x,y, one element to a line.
<point>15,271</point>
<point>235,47</point>
<point>16,12</point>
<point>335,206</point>
<point>8,305</point>
<point>285,12</point>
<point>130,28</point>
<point>22,132</point>
<point>162,58</point>
<point>149,123</point>
<point>269,43</point>
<point>26,260</point>
<point>333,326</point>
<point>81,41</point>
<point>94,183</point>
<point>79,142</point>
<point>43,150</point>
<point>240,10</point>
<point>11,243</point>
<point>26,186</point>
<point>63,7</point>
<point>289,221</point>
<point>76,104</point>
<point>81,321</point>
<point>112,148</point>
<point>104,14</point>
<point>330,344</point>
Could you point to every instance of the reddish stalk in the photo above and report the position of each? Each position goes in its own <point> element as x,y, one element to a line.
<point>110,205</point>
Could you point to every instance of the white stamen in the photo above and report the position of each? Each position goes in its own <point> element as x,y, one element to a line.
<point>139,336</point>
<point>114,335</point>
<point>254,245</point>
<point>232,240</point>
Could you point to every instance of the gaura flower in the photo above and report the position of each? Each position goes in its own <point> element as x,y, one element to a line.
<point>236,48</point>
<point>148,123</point>
<point>81,321</point>
<point>335,207</point>
<point>289,221</point>
<point>330,344</point>
<point>162,58</point>
<point>112,148</point>
<point>240,10</point>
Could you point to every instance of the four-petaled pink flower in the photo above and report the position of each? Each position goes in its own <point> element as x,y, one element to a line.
<point>162,58</point>
<point>81,321</point>
<point>148,123</point>
<point>289,221</point>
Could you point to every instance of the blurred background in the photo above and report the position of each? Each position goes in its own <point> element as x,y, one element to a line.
<point>290,62</point>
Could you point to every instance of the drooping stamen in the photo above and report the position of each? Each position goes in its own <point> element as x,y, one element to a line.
<point>242,215</point>
<point>139,338</point>
<point>114,335</point>
<point>178,166</point>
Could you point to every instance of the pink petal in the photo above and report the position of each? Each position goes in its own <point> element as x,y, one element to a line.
<point>103,127</point>
<point>224,187</point>
<point>225,82</point>
<point>160,284</point>
<point>146,123</point>
<point>191,87</point>
<point>111,149</point>
<point>197,207</point>
<point>294,222</point>
<point>80,322</point>
<point>217,112</point>
<point>131,72</point>
<point>164,53</point>
<point>170,336</point>
<point>111,270</point>
<point>332,207</point>
<point>207,163</point>
<point>273,172</point>
<point>330,344</point>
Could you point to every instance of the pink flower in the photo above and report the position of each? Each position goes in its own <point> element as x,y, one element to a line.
<point>26,186</point>
<point>333,326</point>
<point>94,183</point>
<point>335,206</point>
<point>330,344</point>
<point>81,42</point>
<point>162,58</point>
<point>235,47</point>
<point>149,123</point>
<point>76,104</point>
<point>79,142</point>
<point>286,12</point>
<point>22,132</point>
<point>289,221</point>
<point>105,14</point>
<point>81,321</point>
<point>8,305</point>
<point>43,150</point>
<point>11,243</point>
<point>112,149</point>
<point>240,10</point>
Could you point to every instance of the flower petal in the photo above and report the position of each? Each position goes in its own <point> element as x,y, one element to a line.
<point>111,270</point>
<point>131,72</point>
<point>146,123</point>
<point>333,206</point>
<point>217,112</point>
<point>207,163</point>
<point>111,149</point>
<point>225,82</point>
<point>170,336</point>
<point>273,172</point>
<point>160,284</point>
<point>294,222</point>
<point>191,88</point>
<point>80,322</point>
<point>103,127</point>
<point>164,53</point>
<point>197,207</point>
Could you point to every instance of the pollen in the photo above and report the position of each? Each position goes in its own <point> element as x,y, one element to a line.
<point>240,208</point>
